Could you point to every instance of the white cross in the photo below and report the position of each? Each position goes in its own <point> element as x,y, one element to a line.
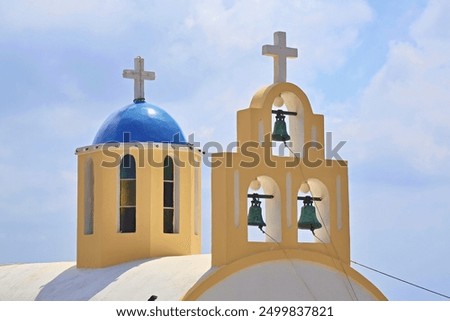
<point>139,75</point>
<point>280,53</point>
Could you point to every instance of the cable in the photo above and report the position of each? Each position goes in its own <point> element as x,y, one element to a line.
<point>391,276</point>
<point>290,261</point>
<point>264,232</point>
<point>364,266</point>
<point>325,226</point>
<point>401,280</point>
<point>318,238</point>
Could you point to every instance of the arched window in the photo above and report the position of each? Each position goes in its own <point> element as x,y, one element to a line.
<point>89,197</point>
<point>289,102</point>
<point>197,201</point>
<point>127,194</point>
<point>169,204</point>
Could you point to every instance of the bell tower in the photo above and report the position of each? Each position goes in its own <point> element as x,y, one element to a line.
<point>262,201</point>
<point>280,188</point>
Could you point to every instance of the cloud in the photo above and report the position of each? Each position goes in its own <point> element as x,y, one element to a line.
<point>404,112</point>
<point>207,55</point>
<point>89,15</point>
<point>215,50</point>
<point>327,29</point>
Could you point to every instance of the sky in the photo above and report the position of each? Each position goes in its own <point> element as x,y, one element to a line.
<point>379,71</point>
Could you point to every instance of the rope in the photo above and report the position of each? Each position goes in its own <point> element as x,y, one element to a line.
<point>362,265</point>
<point>291,263</point>
<point>325,226</point>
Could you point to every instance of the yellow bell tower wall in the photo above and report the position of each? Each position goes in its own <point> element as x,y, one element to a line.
<point>102,243</point>
<point>282,177</point>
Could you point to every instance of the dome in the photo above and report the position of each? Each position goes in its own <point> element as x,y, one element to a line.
<point>140,122</point>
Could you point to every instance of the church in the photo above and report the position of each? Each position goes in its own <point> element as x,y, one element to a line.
<point>279,220</point>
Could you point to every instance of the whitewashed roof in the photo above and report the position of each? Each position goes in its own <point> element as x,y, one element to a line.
<point>169,278</point>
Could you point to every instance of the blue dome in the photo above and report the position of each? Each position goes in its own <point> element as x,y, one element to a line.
<point>140,122</point>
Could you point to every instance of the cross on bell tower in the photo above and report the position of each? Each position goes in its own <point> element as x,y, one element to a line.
<point>280,53</point>
<point>139,75</point>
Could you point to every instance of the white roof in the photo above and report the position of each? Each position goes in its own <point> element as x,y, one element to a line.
<point>169,278</point>
<point>287,280</point>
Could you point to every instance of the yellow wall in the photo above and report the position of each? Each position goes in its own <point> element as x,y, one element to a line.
<point>255,125</point>
<point>106,246</point>
<point>229,242</point>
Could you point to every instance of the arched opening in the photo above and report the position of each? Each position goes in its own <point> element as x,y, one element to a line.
<point>316,190</point>
<point>127,194</point>
<point>270,210</point>
<point>170,210</point>
<point>289,102</point>
<point>89,197</point>
<point>297,122</point>
<point>197,201</point>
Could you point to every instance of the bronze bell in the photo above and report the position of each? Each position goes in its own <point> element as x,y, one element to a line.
<point>280,133</point>
<point>308,219</point>
<point>255,214</point>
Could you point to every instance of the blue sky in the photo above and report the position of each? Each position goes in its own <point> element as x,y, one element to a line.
<point>378,70</point>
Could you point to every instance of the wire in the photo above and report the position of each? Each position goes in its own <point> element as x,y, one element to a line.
<point>264,232</point>
<point>317,237</point>
<point>290,261</point>
<point>362,265</point>
<point>391,276</point>
<point>325,226</point>
<point>401,280</point>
